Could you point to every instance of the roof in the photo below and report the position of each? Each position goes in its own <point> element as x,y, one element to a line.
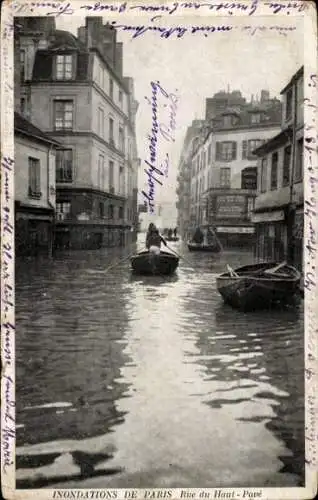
<point>271,116</point>
<point>61,39</point>
<point>273,143</point>
<point>294,78</point>
<point>27,128</point>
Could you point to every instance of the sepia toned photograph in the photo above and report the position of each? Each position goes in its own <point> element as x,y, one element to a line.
<point>159,184</point>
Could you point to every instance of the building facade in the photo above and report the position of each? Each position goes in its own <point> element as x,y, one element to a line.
<point>34,174</point>
<point>74,90</point>
<point>279,206</point>
<point>184,179</point>
<point>224,166</point>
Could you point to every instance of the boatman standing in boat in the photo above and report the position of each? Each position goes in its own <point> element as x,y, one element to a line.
<point>154,240</point>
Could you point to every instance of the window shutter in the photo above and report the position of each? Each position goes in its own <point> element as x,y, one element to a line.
<point>218,150</point>
<point>234,148</point>
<point>43,66</point>
<point>82,66</point>
<point>244,150</point>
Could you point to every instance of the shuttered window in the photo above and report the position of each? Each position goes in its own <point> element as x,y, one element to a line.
<point>249,146</point>
<point>286,166</point>
<point>225,177</point>
<point>263,180</point>
<point>34,177</point>
<point>225,151</point>
<point>274,171</point>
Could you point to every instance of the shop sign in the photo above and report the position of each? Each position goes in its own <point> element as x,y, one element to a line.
<point>276,216</point>
<point>236,230</point>
<point>230,206</point>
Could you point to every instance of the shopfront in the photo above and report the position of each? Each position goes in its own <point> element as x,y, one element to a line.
<point>271,236</point>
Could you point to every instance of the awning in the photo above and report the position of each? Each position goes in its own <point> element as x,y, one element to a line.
<point>235,230</point>
<point>275,216</point>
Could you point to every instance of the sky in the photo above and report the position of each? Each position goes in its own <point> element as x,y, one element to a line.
<point>195,67</point>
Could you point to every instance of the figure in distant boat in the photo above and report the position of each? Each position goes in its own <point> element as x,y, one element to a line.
<point>154,240</point>
<point>175,232</point>
<point>198,236</point>
<point>170,233</point>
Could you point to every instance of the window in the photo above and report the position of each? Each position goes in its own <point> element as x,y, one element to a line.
<point>286,166</point>
<point>22,65</point>
<point>101,171</point>
<point>34,178</point>
<point>111,88</point>
<point>120,98</point>
<point>111,130</point>
<point>225,151</point>
<point>120,213</point>
<point>249,178</point>
<point>299,160</point>
<point>24,106</point>
<point>250,206</point>
<point>101,122</point>
<point>63,114</point>
<point>263,182</point>
<point>64,165</point>
<point>64,67</point>
<point>255,118</point>
<point>274,171</point>
<point>209,154</point>
<point>249,146</point>
<point>63,209</point>
<point>101,209</point>
<point>288,108</point>
<point>121,140</point>
<point>225,177</point>
<point>111,211</point>
<point>111,176</point>
<point>300,101</point>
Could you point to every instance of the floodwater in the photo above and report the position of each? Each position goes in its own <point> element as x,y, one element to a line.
<point>129,381</point>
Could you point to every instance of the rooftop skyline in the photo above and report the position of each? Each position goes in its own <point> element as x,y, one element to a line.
<point>237,61</point>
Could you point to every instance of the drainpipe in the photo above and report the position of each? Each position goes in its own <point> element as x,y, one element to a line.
<point>291,208</point>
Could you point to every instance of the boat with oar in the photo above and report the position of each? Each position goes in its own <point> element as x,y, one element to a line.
<point>171,238</point>
<point>203,247</point>
<point>205,242</point>
<point>259,286</point>
<point>148,263</point>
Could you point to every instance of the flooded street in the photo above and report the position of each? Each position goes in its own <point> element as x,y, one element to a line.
<point>127,381</point>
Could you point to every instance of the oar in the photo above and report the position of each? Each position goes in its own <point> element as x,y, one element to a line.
<point>180,256</point>
<point>120,261</point>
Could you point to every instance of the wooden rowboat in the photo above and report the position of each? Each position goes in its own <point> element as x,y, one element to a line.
<point>203,247</point>
<point>145,262</point>
<point>171,238</point>
<point>258,286</point>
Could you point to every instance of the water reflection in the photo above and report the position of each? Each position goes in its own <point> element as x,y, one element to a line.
<point>128,381</point>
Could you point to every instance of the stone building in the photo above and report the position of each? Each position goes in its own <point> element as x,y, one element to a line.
<point>224,167</point>
<point>34,174</point>
<point>74,90</point>
<point>279,205</point>
<point>184,179</point>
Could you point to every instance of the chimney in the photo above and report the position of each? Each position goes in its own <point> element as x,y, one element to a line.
<point>119,59</point>
<point>264,95</point>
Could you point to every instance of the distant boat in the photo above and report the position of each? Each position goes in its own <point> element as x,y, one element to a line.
<point>171,238</point>
<point>258,286</point>
<point>203,247</point>
<point>164,263</point>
